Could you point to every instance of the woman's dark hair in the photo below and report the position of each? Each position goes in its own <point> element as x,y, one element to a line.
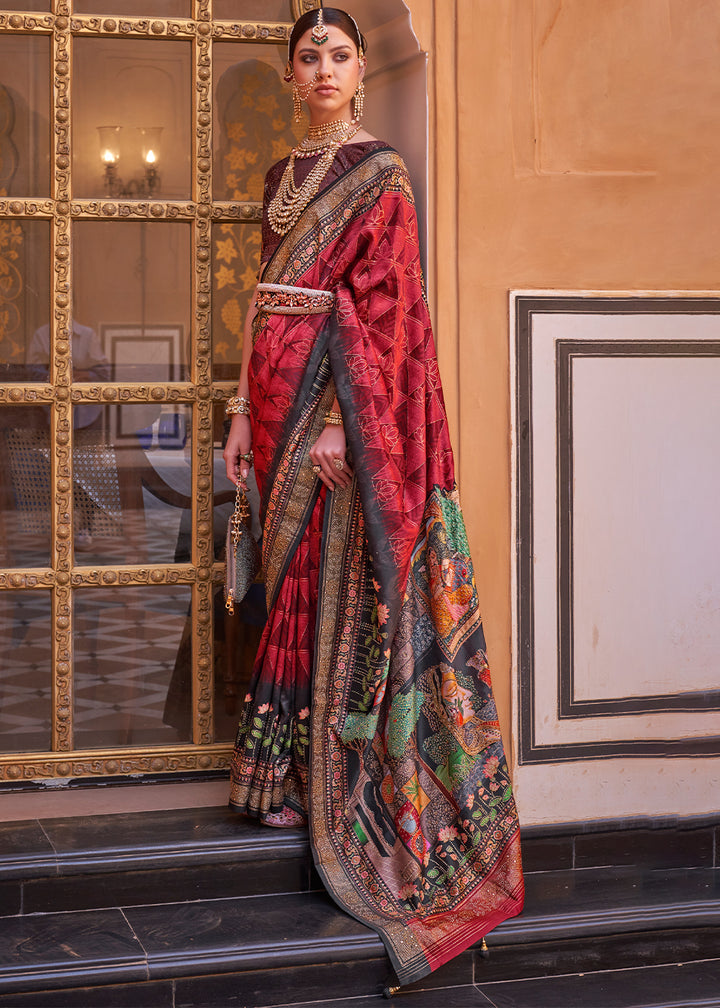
<point>331,16</point>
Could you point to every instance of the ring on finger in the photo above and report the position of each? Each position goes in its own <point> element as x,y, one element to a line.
<point>339,464</point>
<point>317,469</point>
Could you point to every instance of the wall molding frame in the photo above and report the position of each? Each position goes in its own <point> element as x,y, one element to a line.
<point>550,730</point>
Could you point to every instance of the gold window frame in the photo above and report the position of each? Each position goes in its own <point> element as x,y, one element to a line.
<point>204,574</point>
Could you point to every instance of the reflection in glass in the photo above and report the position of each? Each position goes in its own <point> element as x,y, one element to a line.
<point>25,114</point>
<point>25,497</point>
<point>132,286</point>
<point>252,129</point>
<point>132,489</point>
<point>24,296</point>
<point>237,636</point>
<point>131,86</point>
<point>253,124</point>
<point>136,8</point>
<point>25,693</point>
<point>88,358</point>
<point>126,644</point>
<point>260,11</point>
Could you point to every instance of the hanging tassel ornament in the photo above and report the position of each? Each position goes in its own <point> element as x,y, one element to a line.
<point>300,91</point>
<point>360,100</point>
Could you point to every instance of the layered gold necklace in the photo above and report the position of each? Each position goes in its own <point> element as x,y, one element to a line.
<point>323,142</point>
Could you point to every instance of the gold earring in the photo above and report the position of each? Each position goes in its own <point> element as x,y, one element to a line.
<point>360,100</point>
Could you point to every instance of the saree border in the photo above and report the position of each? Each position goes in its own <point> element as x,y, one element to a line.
<point>341,580</point>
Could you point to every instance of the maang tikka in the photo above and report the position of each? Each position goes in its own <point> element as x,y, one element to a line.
<point>319,34</point>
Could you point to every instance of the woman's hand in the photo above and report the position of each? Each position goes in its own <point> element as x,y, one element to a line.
<point>239,443</point>
<point>327,450</point>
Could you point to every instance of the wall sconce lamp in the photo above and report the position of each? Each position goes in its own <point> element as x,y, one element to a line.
<point>137,188</point>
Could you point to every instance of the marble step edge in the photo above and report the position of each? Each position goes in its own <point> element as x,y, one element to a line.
<point>186,960</point>
<point>655,917</point>
<point>68,847</point>
<point>279,951</point>
<point>173,837</point>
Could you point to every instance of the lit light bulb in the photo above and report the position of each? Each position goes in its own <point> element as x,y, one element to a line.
<point>150,157</point>
<point>109,137</point>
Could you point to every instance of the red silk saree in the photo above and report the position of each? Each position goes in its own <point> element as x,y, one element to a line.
<point>371,703</point>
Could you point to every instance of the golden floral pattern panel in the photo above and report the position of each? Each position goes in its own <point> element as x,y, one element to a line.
<point>253,129</point>
<point>24,296</point>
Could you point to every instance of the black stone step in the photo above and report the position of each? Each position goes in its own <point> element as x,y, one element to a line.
<point>270,945</point>
<point>690,985</point>
<point>195,908</point>
<point>121,860</point>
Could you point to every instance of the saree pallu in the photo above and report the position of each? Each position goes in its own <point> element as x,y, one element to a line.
<point>412,820</point>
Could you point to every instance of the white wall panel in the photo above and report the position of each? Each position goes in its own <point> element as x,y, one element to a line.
<point>617,586</point>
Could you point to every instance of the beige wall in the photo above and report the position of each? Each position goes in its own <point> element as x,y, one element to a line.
<point>576,147</point>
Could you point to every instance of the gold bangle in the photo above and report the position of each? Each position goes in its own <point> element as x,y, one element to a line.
<point>237,404</point>
<point>333,419</point>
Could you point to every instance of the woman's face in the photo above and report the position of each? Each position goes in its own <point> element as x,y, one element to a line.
<point>336,66</point>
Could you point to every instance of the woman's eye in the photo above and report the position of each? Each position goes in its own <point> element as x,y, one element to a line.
<point>309,58</point>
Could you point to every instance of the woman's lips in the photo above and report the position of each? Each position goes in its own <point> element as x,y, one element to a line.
<point>325,90</point>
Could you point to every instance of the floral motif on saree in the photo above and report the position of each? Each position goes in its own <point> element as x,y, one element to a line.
<point>412,820</point>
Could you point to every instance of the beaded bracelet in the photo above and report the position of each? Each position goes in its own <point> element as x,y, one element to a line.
<point>237,404</point>
<point>333,419</point>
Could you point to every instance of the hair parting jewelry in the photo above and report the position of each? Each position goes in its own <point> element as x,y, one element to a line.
<point>312,19</point>
<point>237,404</point>
<point>319,34</point>
<point>361,51</point>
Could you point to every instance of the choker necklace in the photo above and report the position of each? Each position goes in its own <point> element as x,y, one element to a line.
<point>323,142</point>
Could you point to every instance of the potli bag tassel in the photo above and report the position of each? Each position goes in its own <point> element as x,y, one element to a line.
<point>242,553</point>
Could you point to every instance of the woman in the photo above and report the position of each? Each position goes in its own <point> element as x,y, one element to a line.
<point>370,708</point>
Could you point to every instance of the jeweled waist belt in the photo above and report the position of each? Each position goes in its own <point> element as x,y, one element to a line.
<point>281,299</point>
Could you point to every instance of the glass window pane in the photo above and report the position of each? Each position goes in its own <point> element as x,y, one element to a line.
<point>235,264</point>
<point>25,497</point>
<point>25,114</point>
<point>136,8</point>
<point>134,86</point>
<point>132,489</point>
<point>237,636</point>
<point>132,289</point>
<point>24,300</point>
<point>25,677</point>
<point>32,5</point>
<point>127,642</point>
<point>261,11</point>
<point>253,125</point>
